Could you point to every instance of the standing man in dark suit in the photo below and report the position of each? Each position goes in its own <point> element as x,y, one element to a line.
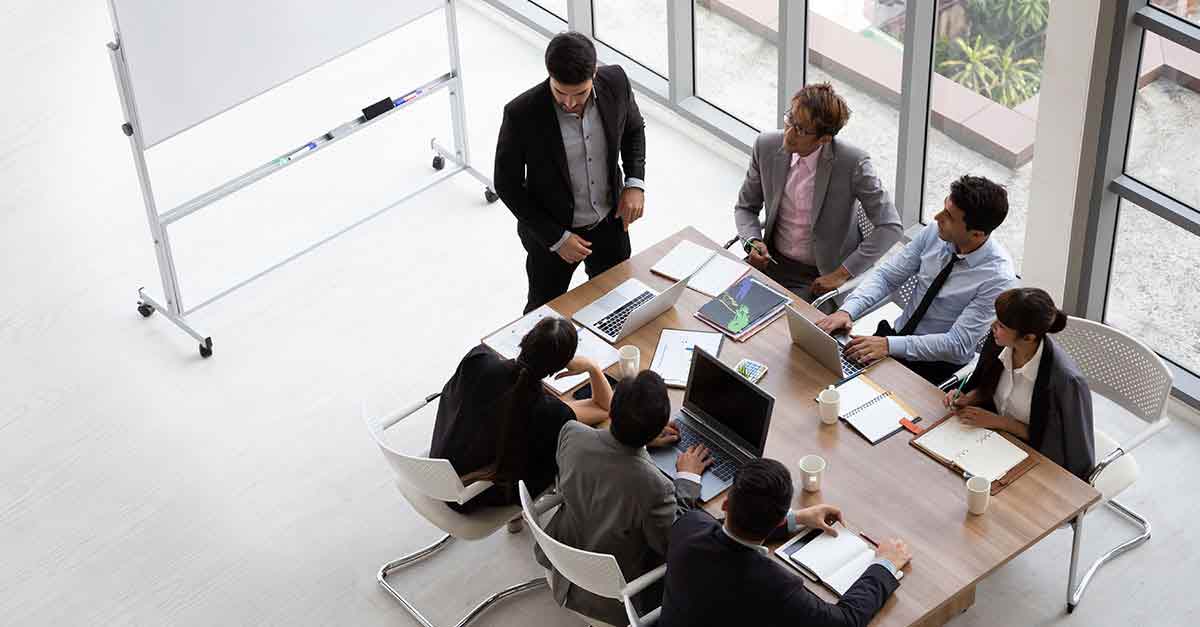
<point>557,171</point>
<point>721,574</point>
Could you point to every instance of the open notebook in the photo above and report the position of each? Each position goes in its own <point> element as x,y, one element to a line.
<point>981,452</point>
<point>718,271</point>
<point>872,411</point>
<point>834,562</point>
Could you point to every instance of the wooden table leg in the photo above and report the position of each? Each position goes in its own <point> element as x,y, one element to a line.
<point>957,604</point>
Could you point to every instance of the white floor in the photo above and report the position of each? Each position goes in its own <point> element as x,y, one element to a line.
<point>141,485</point>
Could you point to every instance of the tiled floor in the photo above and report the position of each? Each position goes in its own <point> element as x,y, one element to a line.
<point>140,485</point>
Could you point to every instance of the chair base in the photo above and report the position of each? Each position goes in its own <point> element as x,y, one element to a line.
<point>436,546</point>
<point>1075,592</point>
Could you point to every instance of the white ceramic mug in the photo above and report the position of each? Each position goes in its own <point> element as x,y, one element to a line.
<point>979,491</point>
<point>631,361</point>
<point>829,402</point>
<point>811,469</point>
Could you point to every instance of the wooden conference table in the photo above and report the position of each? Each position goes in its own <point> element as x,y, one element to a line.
<point>890,489</point>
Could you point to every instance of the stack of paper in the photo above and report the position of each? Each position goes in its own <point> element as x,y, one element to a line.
<point>507,343</point>
<point>717,274</point>
<point>744,308</point>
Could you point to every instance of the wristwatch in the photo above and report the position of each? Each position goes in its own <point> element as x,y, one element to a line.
<point>749,244</point>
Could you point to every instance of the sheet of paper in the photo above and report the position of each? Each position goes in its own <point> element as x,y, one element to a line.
<point>682,260</point>
<point>836,561</point>
<point>878,420</point>
<point>717,275</point>
<point>867,324</point>
<point>842,580</point>
<point>855,393</point>
<point>507,342</point>
<point>673,356</point>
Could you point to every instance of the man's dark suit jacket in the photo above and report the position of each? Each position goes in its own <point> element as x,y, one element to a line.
<point>714,580</point>
<point>1060,412</point>
<point>531,164</point>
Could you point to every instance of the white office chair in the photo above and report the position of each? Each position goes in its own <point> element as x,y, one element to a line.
<point>428,484</point>
<point>597,573</point>
<point>1128,373</point>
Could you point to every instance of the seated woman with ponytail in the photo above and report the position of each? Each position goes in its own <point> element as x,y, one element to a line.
<point>1027,385</point>
<point>496,422</point>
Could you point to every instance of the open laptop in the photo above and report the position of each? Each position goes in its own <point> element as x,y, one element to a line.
<point>723,411</point>
<point>627,308</point>
<point>826,349</point>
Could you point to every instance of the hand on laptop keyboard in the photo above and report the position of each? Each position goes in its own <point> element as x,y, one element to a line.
<point>694,460</point>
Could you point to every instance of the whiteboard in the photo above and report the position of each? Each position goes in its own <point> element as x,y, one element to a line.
<point>189,60</point>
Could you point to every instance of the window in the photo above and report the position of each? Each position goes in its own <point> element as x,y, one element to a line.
<point>1164,139</point>
<point>557,8</point>
<point>737,59</point>
<point>987,72</point>
<point>859,48</point>
<point>1153,293</point>
<point>1187,9</point>
<point>636,29</point>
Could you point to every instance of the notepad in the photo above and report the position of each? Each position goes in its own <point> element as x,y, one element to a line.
<point>717,274</point>
<point>872,411</point>
<point>507,343</point>
<point>836,562</point>
<point>673,356</point>
<point>981,452</point>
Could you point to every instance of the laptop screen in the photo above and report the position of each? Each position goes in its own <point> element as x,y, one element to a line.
<point>726,400</point>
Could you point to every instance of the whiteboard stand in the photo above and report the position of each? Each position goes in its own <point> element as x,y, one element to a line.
<point>173,307</point>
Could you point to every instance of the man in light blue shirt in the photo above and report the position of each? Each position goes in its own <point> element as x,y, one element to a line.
<point>959,271</point>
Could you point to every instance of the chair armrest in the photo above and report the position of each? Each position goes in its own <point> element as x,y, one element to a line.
<point>633,588</point>
<point>1145,434</point>
<point>844,288</point>
<point>736,239</point>
<point>392,419</point>
<point>546,502</point>
<point>473,490</point>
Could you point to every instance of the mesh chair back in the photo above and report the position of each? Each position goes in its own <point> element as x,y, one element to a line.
<point>904,293</point>
<point>435,478</point>
<point>865,227</point>
<point>597,573</point>
<point>1118,367</point>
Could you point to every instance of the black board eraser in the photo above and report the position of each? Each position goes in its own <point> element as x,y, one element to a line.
<point>377,109</point>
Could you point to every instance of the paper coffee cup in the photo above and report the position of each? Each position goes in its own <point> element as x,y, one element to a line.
<point>812,467</point>
<point>630,360</point>
<point>829,404</point>
<point>979,491</point>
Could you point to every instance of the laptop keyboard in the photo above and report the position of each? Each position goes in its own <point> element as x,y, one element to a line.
<point>850,367</point>
<point>722,465</point>
<point>613,322</point>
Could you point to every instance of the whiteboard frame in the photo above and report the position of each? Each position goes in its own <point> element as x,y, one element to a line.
<point>172,307</point>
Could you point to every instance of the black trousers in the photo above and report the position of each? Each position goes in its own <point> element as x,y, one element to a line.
<point>550,276</point>
<point>935,372</point>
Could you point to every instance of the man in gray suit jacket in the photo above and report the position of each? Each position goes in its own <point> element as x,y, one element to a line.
<point>811,186</point>
<point>615,500</point>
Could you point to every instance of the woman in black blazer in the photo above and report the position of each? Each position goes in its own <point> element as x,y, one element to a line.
<point>1027,385</point>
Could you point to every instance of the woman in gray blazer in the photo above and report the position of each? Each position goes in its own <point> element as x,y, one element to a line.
<point>1027,385</point>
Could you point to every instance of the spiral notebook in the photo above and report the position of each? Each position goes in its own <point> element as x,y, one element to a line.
<point>872,411</point>
<point>973,450</point>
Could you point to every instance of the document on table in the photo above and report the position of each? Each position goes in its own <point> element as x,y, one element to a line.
<point>713,278</point>
<point>981,452</point>
<point>507,343</point>
<point>673,356</point>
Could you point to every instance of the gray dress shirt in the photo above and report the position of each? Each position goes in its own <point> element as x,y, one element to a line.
<point>586,148</point>
<point>960,315</point>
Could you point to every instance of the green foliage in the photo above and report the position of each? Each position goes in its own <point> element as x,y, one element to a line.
<point>1001,57</point>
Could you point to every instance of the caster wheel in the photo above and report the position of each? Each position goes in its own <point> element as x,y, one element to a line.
<point>1070,608</point>
<point>145,310</point>
<point>439,162</point>
<point>490,196</point>
<point>206,348</point>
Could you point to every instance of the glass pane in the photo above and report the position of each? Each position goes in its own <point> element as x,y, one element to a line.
<point>1187,9</point>
<point>1165,134</point>
<point>737,61</point>
<point>557,7</point>
<point>987,74</point>
<point>859,48</point>
<point>635,28</point>
<point>1153,293</point>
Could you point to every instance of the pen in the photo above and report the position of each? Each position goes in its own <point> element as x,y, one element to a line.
<point>763,252</point>
<point>958,392</point>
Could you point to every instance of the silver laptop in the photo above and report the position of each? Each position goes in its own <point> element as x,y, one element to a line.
<point>627,308</point>
<point>723,411</point>
<point>825,348</point>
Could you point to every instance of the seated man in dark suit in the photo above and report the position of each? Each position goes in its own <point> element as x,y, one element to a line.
<point>722,575</point>
<point>615,500</point>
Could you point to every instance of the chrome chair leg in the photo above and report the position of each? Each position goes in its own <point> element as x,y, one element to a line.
<point>1075,592</point>
<point>421,554</point>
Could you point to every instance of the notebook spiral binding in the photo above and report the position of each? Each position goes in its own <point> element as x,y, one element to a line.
<point>867,404</point>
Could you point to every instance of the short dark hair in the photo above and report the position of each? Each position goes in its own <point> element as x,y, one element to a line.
<point>1030,311</point>
<point>640,409</point>
<point>983,203</point>
<point>759,498</point>
<point>827,111</point>
<point>571,58</point>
